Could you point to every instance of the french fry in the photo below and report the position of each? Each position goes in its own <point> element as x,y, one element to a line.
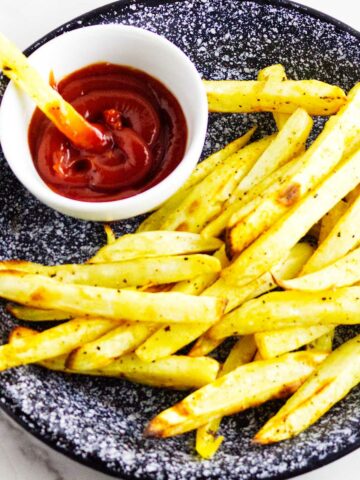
<point>245,387</point>
<point>319,261</point>
<point>154,221</point>
<point>154,244</point>
<point>36,314</point>
<point>317,162</point>
<point>128,273</point>
<point>61,113</point>
<point>171,338</point>
<point>110,235</point>
<point>275,73</point>
<point>330,219</point>
<point>179,372</point>
<point>241,353</point>
<point>241,96</point>
<point>207,443</point>
<point>277,310</point>
<point>206,199</point>
<point>202,170</point>
<point>323,343</point>
<point>54,341</point>
<point>274,343</point>
<point>175,372</point>
<point>266,251</point>
<point>241,204</point>
<point>343,238</point>
<point>19,335</point>
<point>289,142</point>
<point>204,345</point>
<point>342,273</point>
<point>287,268</point>
<point>168,339</point>
<point>195,286</point>
<point>102,351</point>
<point>242,234</point>
<point>43,292</point>
<point>215,160</point>
<point>334,378</point>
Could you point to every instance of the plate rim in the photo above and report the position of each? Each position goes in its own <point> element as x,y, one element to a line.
<point>72,24</point>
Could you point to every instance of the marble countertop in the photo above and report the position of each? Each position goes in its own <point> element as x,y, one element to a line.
<point>22,457</point>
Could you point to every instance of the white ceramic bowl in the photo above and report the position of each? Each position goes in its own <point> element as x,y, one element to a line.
<point>121,45</point>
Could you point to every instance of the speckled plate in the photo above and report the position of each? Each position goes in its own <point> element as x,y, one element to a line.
<point>100,422</point>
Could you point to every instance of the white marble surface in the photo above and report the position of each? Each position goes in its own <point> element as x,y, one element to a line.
<point>22,457</point>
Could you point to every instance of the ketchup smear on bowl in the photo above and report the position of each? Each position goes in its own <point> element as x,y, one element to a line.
<point>143,120</point>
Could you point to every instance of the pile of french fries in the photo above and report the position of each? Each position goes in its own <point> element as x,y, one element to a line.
<point>252,218</point>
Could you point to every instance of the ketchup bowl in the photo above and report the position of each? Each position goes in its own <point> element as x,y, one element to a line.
<point>141,56</point>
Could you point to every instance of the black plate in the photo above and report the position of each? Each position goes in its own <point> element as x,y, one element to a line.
<point>100,422</point>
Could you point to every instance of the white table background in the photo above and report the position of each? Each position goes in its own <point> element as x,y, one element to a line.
<point>22,457</point>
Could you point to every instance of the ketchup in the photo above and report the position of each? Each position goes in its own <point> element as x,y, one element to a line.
<point>142,122</point>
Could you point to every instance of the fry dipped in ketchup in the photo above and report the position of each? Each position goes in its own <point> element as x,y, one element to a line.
<point>105,132</point>
<point>142,126</point>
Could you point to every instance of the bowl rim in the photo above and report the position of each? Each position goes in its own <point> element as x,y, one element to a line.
<point>23,419</point>
<point>147,200</point>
